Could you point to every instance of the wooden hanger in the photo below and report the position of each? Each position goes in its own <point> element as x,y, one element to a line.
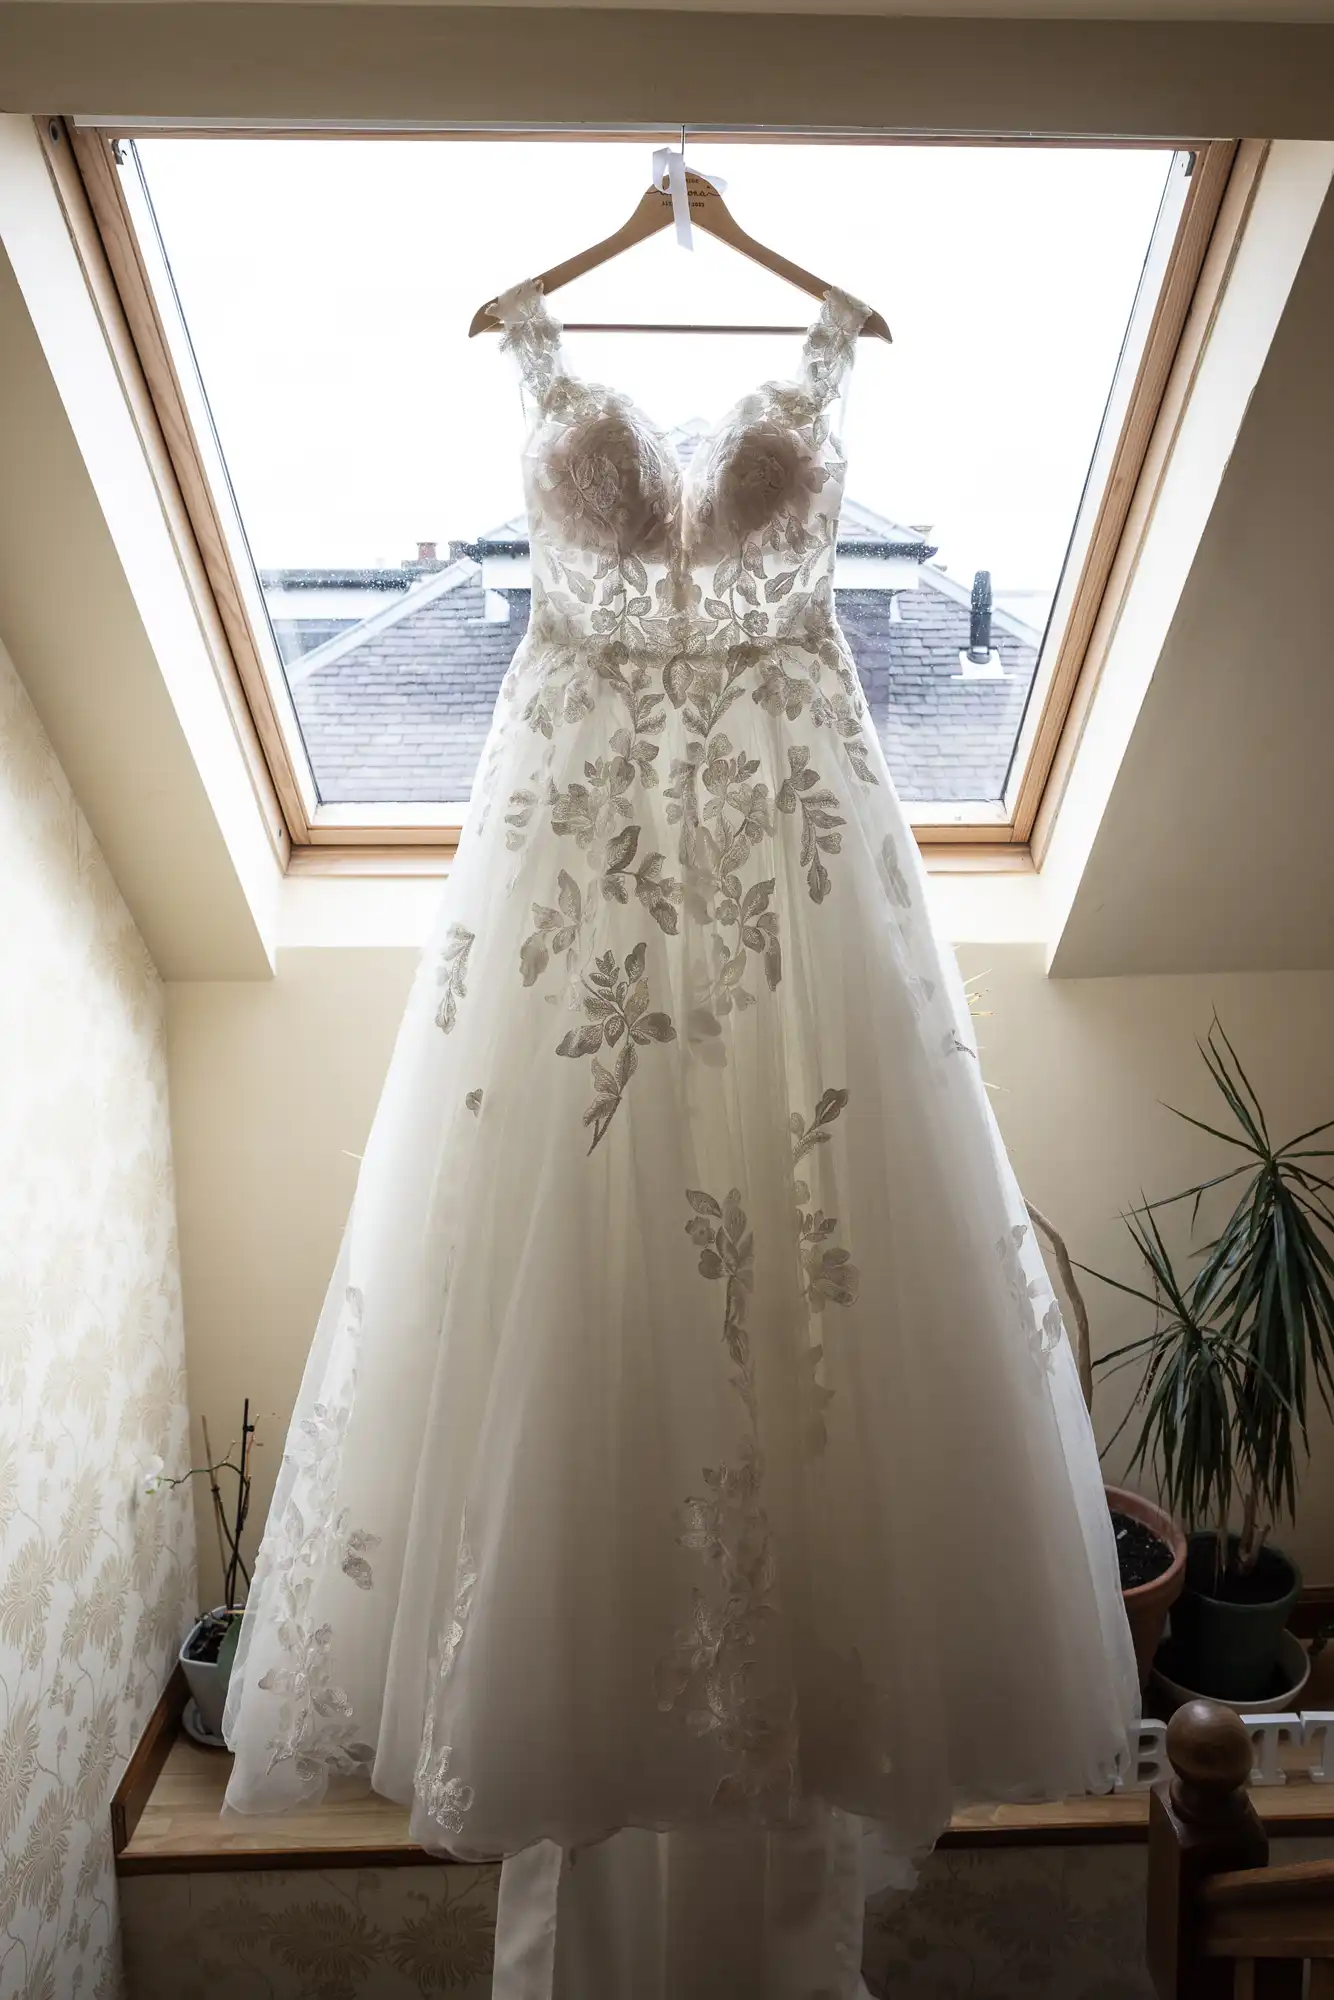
<point>709,212</point>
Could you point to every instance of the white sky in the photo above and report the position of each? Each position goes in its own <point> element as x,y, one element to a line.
<point>328,288</point>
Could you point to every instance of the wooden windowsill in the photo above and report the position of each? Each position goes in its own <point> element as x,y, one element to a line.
<point>167,1813</point>
<point>415,858</point>
<point>180,1830</point>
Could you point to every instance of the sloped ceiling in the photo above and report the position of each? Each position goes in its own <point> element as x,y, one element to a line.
<point>1216,852</point>
<point>995,10</point>
<point>1223,67</point>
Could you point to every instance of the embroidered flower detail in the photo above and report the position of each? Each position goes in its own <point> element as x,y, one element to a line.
<point>896,882</point>
<point>311,1541</point>
<point>716,1675</point>
<point>820,818</point>
<point>759,471</point>
<point>533,336</point>
<point>617,1007</point>
<point>1043,1337</point>
<point>452,974</point>
<point>1051,1334</point>
<point>355,1543</point>
<point>443,1797</point>
<point>609,483</point>
<point>831,1278</point>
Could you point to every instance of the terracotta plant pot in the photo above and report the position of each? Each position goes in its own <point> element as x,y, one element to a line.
<point>1148,1604</point>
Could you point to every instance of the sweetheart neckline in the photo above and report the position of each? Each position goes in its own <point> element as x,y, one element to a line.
<point>714,426</point>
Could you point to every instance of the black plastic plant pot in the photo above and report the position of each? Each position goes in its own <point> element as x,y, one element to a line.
<point>1229,1630</point>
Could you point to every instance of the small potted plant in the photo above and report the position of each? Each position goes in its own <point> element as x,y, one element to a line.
<point>1223,1399</point>
<point>210,1649</point>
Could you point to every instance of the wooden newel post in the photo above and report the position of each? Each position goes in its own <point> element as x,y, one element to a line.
<point>1200,1823</point>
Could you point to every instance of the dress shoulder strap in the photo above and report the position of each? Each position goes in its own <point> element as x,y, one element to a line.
<point>830,346</point>
<point>532,336</point>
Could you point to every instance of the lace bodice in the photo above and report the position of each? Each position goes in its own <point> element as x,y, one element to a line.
<point>736,550</point>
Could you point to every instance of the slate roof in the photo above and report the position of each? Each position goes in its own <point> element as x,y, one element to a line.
<point>944,738</point>
<point>396,707</point>
<point>403,714</point>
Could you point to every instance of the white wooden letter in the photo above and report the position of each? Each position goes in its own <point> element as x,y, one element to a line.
<point>1143,1762</point>
<point>1269,1733</point>
<point>1315,1740</point>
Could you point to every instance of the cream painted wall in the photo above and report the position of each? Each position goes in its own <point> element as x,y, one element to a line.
<point>274,1086</point>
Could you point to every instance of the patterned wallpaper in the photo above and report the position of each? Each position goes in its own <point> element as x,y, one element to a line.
<point>96,1584</point>
<point>994,1923</point>
<point>306,1934</point>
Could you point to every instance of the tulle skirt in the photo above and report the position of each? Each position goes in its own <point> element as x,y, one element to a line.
<point>690,1437</point>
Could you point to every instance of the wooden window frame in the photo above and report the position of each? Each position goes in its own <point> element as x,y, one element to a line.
<point>350,839</point>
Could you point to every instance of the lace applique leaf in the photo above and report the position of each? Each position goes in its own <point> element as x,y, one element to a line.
<point>452,974</point>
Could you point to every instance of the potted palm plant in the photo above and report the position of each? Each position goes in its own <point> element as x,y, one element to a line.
<point>1224,1393</point>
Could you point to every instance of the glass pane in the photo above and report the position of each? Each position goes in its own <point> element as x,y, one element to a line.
<point>326,286</point>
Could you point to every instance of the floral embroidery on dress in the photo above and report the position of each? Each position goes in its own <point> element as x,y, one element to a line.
<point>714,1676</point>
<point>896,881</point>
<point>1043,1336</point>
<point>354,1544</point>
<point>617,1006</point>
<point>451,975</point>
<point>758,472</point>
<point>607,483</point>
<point>316,1725</point>
<point>446,1800</point>
<point>522,803</point>
<point>443,1797</point>
<point>713,849</point>
<point>829,1277</point>
<point>820,818</point>
<point>557,929</point>
<point>559,926</point>
<point>531,335</point>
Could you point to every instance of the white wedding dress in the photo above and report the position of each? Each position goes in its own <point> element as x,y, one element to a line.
<point>690,1439</point>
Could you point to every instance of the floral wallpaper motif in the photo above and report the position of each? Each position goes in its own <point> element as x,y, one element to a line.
<point>96,1586</point>
<point>1023,1923</point>
<point>344,1934</point>
<point>997,1923</point>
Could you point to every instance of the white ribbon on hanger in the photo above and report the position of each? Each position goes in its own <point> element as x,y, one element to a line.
<point>670,161</point>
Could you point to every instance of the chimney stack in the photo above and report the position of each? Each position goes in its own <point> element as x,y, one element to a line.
<point>426,556</point>
<point>979,624</point>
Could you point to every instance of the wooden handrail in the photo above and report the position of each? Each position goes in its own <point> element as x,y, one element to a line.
<point>1269,1912</point>
<point>1244,1889</point>
<point>1220,1922</point>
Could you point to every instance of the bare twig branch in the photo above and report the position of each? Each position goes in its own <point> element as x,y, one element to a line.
<point>212,1470</point>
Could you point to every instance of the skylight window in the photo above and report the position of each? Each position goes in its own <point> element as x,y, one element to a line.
<point>360,455</point>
